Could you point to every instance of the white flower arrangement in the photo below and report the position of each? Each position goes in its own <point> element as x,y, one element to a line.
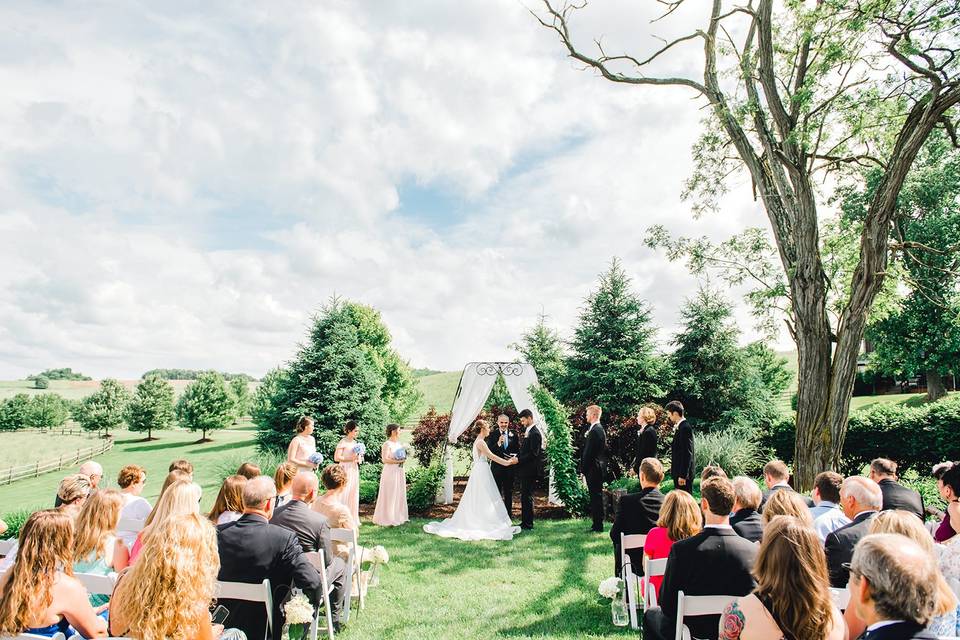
<point>379,555</point>
<point>610,588</point>
<point>298,610</point>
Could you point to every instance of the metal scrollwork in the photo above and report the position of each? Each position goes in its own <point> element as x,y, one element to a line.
<point>499,368</point>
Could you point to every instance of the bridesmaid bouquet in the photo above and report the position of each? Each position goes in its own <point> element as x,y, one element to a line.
<point>359,449</point>
<point>315,458</point>
<point>400,454</point>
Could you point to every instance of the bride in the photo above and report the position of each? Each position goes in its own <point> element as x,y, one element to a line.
<point>481,514</point>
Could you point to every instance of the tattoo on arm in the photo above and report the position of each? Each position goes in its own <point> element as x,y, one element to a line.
<point>732,622</point>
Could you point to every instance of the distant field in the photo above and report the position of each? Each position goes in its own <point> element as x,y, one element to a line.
<point>79,389</point>
<point>438,390</point>
<point>28,447</point>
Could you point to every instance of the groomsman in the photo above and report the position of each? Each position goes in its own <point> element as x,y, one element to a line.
<point>593,465</point>
<point>646,437</point>
<point>529,466</point>
<point>681,454</point>
<point>504,442</point>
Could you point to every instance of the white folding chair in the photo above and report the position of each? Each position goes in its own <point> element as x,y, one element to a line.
<point>840,597</point>
<point>630,578</point>
<point>652,569</point>
<point>317,559</point>
<point>689,606</point>
<point>7,545</point>
<point>353,568</point>
<point>97,585</point>
<point>256,592</point>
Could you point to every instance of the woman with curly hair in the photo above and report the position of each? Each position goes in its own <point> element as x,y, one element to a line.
<point>96,547</point>
<point>39,594</point>
<point>166,595</point>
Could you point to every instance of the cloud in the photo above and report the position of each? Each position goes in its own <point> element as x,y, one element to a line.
<point>183,184</point>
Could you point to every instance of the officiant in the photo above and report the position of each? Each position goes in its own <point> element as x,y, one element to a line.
<point>504,442</point>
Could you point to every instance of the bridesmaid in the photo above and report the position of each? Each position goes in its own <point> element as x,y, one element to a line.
<point>350,463</point>
<point>303,445</point>
<point>392,499</point>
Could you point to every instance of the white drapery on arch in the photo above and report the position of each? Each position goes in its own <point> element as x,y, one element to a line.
<point>476,383</point>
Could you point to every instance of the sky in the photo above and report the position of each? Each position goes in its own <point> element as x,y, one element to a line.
<point>183,184</point>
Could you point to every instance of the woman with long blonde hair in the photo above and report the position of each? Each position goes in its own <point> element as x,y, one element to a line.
<point>180,498</point>
<point>166,595</point>
<point>96,547</point>
<point>787,503</point>
<point>39,594</point>
<point>792,600</point>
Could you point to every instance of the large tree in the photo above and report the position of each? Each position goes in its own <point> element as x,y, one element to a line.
<point>15,413</point>
<point>542,347</point>
<point>796,89</point>
<point>206,404</point>
<point>151,406</point>
<point>105,408</point>
<point>613,360</point>
<point>48,411</point>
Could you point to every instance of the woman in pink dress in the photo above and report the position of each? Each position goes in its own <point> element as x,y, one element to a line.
<point>303,446</point>
<point>350,459</point>
<point>392,499</point>
<point>680,519</point>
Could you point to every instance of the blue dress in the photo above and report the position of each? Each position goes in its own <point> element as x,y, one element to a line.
<point>48,632</point>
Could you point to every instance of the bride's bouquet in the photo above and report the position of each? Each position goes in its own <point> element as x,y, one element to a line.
<point>400,454</point>
<point>315,458</point>
<point>359,449</point>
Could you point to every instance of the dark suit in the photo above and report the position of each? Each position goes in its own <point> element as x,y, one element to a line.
<point>897,496</point>
<point>713,562</point>
<point>593,466</point>
<point>636,514</point>
<point>313,532</point>
<point>748,524</point>
<point>681,456</point>
<point>529,464</point>
<point>899,631</point>
<point>782,487</point>
<point>646,446</point>
<point>502,475</point>
<point>252,549</point>
<point>839,547</point>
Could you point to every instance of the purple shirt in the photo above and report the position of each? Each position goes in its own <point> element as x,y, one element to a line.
<point>944,531</point>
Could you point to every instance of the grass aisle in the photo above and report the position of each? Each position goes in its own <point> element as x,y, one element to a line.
<point>541,585</point>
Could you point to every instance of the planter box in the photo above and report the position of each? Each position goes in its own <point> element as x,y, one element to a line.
<point>611,502</point>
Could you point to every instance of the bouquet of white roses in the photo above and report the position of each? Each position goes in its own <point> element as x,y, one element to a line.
<point>610,588</point>
<point>298,609</point>
<point>379,555</point>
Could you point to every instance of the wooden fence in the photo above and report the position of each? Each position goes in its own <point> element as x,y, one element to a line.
<point>12,474</point>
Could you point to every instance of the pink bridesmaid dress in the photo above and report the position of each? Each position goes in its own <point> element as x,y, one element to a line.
<point>351,493</point>
<point>392,499</point>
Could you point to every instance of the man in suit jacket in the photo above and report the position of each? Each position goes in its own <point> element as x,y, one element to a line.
<point>860,499</point>
<point>681,451</point>
<point>529,465</point>
<point>252,549</point>
<point>893,587</point>
<point>646,438</point>
<point>776,476</point>
<point>504,442</point>
<point>745,519</point>
<point>716,561</point>
<point>313,531</point>
<point>593,465</point>
<point>638,513</point>
<point>895,495</point>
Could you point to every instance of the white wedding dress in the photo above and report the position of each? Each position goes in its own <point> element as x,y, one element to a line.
<point>481,514</point>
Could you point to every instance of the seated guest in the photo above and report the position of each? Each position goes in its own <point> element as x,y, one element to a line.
<point>168,593</point>
<point>331,505</point>
<point>714,562</point>
<point>248,470</point>
<point>638,513</point>
<point>787,503</point>
<point>893,587</point>
<point>252,549</point>
<point>96,547</point>
<point>903,523</point>
<point>176,475</point>
<point>180,498</point>
<point>132,479</point>
<point>745,519</point>
<point>39,594</point>
<point>712,471</point>
<point>776,476</point>
<point>827,514</point>
<point>680,518</point>
<point>950,492</point>
<point>792,598</point>
<point>895,495</point>
<point>228,507</point>
<point>182,465</point>
<point>283,478</point>
<point>313,531</point>
<point>860,499</point>
<point>93,472</point>
<point>72,493</point>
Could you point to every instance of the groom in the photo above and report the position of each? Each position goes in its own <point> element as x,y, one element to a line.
<point>529,462</point>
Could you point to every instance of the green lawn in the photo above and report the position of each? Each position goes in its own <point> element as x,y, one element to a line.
<point>542,584</point>
<point>908,399</point>
<point>438,390</point>
<point>27,447</point>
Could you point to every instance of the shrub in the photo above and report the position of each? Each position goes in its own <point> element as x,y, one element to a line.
<point>368,491</point>
<point>424,484</point>
<point>560,452</point>
<point>629,484</point>
<point>15,413</point>
<point>41,382</point>
<point>735,449</point>
<point>268,461</point>
<point>431,431</point>
<point>16,519</point>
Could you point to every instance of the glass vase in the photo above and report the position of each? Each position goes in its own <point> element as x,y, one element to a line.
<point>373,578</point>
<point>618,611</point>
<point>295,631</point>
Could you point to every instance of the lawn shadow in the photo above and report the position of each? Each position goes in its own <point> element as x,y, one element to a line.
<point>226,446</point>
<point>154,447</point>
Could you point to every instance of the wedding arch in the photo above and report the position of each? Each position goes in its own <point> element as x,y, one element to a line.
<point>475,386</point>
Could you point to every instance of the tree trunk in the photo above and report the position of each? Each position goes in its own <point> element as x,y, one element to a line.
<point>936,389</point>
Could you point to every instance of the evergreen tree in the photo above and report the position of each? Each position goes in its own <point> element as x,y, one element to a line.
<point>331,379</point>
<point>613,361</point>
<point>240,391</point>
<point>104,409</point>
<point>48,411</point>
<point>15,413</point>
<point>267,404</point>
<point>151,406</point>
<point>206,404</point>
<point>542,347</point>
